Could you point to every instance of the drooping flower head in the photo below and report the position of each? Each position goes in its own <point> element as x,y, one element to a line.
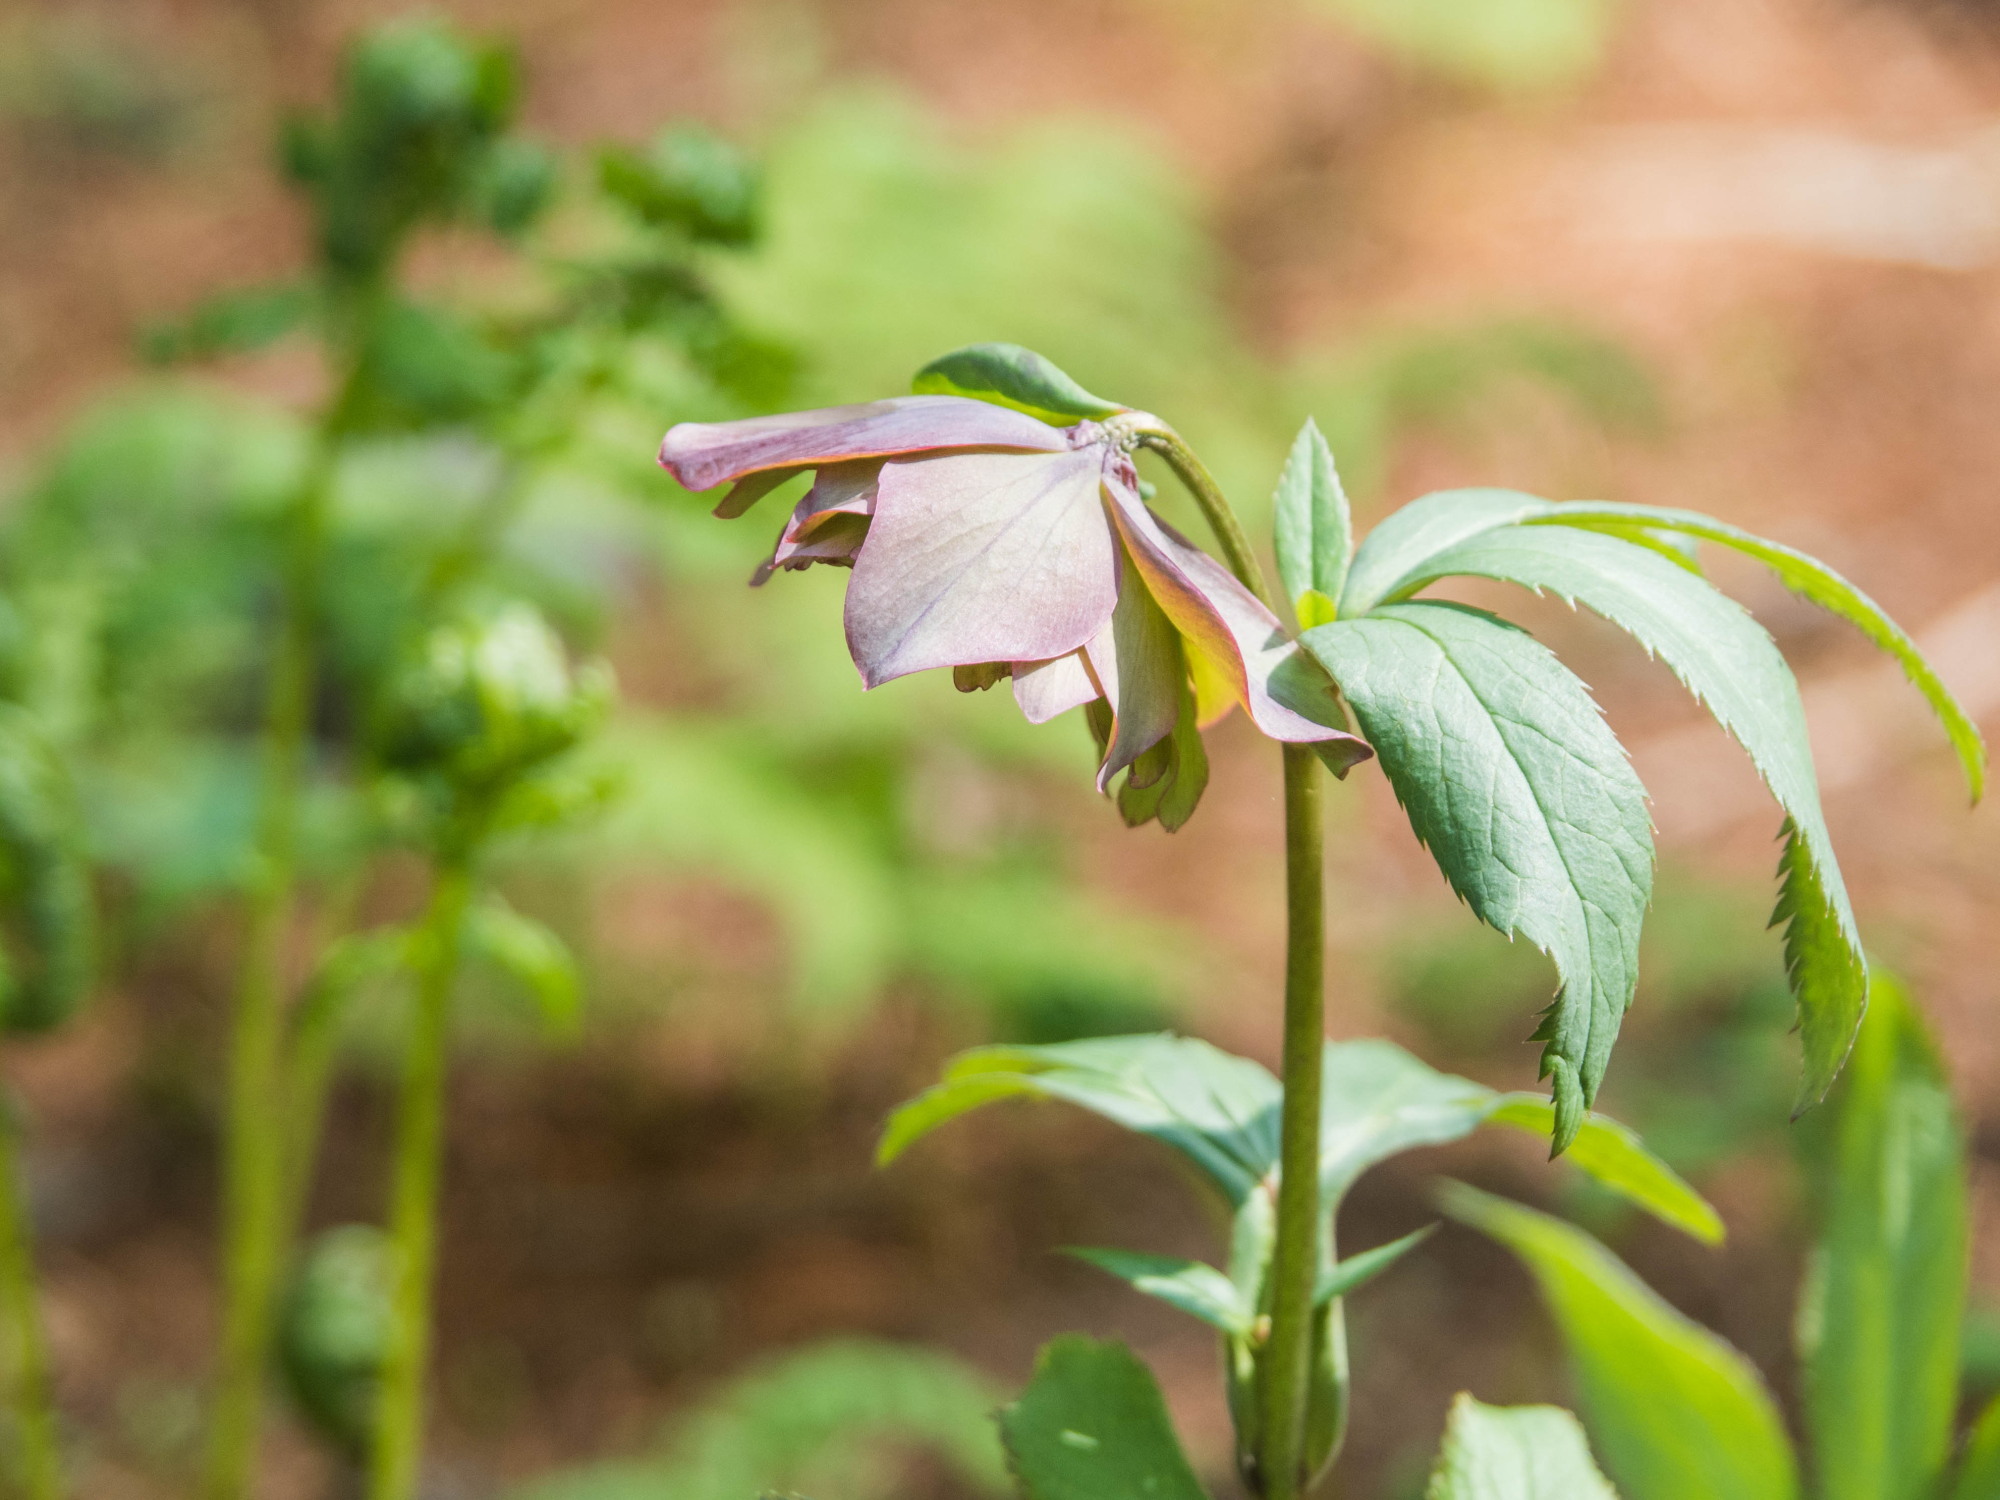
<point>986,538</point>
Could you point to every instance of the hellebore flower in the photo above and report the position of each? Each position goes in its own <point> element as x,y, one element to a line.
<point>989,541</point>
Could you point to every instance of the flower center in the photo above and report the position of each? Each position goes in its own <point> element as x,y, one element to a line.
<point>1120,432</point>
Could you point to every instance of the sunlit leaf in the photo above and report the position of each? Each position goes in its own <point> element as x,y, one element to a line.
<point>1674,1411</point>
<point>1194,1287</point>
<point>1356,1271</point>
<point>1514,1453</point>
<point>1219,1111</point>
<point>1222,1113</point>
<point>1734,668</point>
<point>1315,530</point>
<point>1008,375</point>
<point>1879,1328</point>
<point>1510,776</point>
<point>1092,1426</point>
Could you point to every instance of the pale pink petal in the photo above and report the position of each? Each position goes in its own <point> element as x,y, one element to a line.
<point>1047,688</point>
<point>830,521</point>
<point>1225,621</point>
<point>1138,660</point>
<point>981,557</point>
<point>701,455</point>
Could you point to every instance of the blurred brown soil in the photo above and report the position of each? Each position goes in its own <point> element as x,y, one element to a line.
<point>633,1221</point>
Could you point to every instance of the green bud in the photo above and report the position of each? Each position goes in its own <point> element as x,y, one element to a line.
<point>486,700</point>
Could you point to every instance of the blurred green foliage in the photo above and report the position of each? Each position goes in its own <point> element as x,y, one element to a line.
<point>826,1420</point>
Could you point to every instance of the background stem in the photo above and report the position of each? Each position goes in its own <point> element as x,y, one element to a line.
<point>254,1155</point>
<point>34,1405</point>
<point>399,1420</point>
<point>1294,1259</point>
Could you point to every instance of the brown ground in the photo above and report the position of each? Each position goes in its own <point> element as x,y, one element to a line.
<point>625,1224</point>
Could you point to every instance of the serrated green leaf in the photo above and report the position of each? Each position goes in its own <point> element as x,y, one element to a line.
<point>1674,1410</point>
<point>1514,1453</point>
<point>1879,1328</point>
<point>532,955</point>
<point>1356,1271</point>
<point>1511,778</point>
<point>1092,1426</point>
<point>1315,529</point>
<point>1400,549</point>
<point>1193,1286</point>
<point>1733,667</point>
<point>1219,1111</point>
<point>1008,375</point>
<point>1978,1476</point>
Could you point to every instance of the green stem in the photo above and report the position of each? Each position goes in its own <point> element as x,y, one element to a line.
<point>399,1411</point>
<point>1285,1376</point>
<point>34,1404</point>
<point>1294,1259</point>
<point>254,1161</point>
<point>1215,508</point>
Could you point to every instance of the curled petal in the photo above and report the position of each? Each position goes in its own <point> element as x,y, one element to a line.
<point>829,523</point>
<point>1285,696</point>
<point>981,557</point>
<point>701,455</point>
<point>1044,689</point>
<point>1137,658</point>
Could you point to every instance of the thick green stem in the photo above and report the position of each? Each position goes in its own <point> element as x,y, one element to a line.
<point>1285,1374</point>
<point>34,1405</point>
<point>1294,1259</point>
<point>399,1411</point>
<point>254,1161</point>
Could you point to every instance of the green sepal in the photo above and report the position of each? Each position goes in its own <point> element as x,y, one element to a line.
<point>1008,375</point>
<point>1356,1271</point>
<point>1193,1286</point>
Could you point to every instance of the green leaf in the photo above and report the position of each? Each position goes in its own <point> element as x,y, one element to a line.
<point>1220,1111</point>
<point>1315,530</point>
<point>1399,551</point>
<point>1979,1470</point>
<point>1380,1101</point>
<point>1675,1411</point>
<point>1734,668</point>
<point>1510,776</point>
<point>1091,1426</point>
<point>1008,375</point>
<point>1514,1453</point>
<point>1614,1155</point>
<point>1879,1325</point>
<point>1356,1271</point>
<point>1193,1286</point>
<point>1822,586</point>
<point>532,955</point>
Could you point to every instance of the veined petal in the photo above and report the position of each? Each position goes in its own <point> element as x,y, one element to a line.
<point>1138,660</point>
<point>980,557</point>
<point>1047,688</point>
<point>1286,696</point>
<point>701,455</point>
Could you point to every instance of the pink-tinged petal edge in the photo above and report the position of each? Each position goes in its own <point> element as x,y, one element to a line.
<point>1044,689</point>
<point>1137,659</point>
<point>1228,624</point>
<point>701,455</point>
<point>981,557</point>
<point>829,523</point>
